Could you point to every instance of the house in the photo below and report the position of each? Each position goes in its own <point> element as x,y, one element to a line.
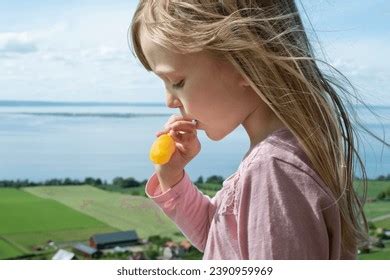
<point>63,255</point>
<point>86,251</point>
<point>114,239</point>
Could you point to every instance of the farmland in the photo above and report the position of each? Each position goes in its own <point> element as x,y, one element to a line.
<point>32,216</point>
<point>28,221</point>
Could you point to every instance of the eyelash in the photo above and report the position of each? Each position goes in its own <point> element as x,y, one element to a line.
<point>178,85</point>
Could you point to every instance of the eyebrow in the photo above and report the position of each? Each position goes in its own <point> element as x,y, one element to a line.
<point>167,73</point>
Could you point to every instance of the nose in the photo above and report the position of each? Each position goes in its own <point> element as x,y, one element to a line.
<point>172,101</point>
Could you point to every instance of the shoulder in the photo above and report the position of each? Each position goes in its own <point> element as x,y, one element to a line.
<point>279,168</point>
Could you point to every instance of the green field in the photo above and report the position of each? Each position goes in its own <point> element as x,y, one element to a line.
<point>29,217</point>
<point>374,187</point>
<point>376,209</point>
<point>8,250</point>
<point>385,223</point>
<point>377,254</point>
<point>27,220</point>
<point>117,210</point>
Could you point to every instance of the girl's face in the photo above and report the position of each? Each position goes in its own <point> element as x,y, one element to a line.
<point>203,88</point>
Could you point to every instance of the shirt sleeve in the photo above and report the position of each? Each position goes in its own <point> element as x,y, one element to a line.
<point>285,214</point>
<point>186,206</point>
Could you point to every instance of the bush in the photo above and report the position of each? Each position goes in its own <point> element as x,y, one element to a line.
<point>92,182</point>
<point>118,181</point>
<point>129,182</point>
<point>379,244</point>
<point>371,225</point>
<point>388,192</point>
<point>158,240</point>
<point>215,179</point>
<point>152,252</point>
<point>135,193</point>
<point>381,196</point>
<point>381,178</point>
<point>125,183</point>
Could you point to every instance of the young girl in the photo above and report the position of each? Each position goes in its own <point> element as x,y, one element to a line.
<point>226,63</point>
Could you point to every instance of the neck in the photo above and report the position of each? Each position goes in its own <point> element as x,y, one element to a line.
<point>259,124</point>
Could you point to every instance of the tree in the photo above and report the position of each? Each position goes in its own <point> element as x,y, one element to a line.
<point>68,181</point>
<point>118,181</point>
<point>381,178</point>
<point>53,182</point>
<point>98,182</point>
<point>152,251</point>
<point>129,182</point>
<point>215,179</point>
<point>200,180</point>
<point>89,181</point>
<point>144,182</point>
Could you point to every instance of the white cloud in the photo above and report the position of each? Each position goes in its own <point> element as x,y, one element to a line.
<point>365,62</point>
<point>85,56</point>
<point>27,41</point>
<point>13,42</point>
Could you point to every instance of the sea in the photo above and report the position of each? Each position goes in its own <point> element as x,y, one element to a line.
<point>44,140</point>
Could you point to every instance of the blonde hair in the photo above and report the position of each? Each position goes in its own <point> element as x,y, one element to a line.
<point>266,42</point>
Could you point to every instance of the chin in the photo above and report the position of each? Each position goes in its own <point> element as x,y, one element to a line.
<point>215,137</point>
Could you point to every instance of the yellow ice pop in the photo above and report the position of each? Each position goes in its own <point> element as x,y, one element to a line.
<point>162,149</point>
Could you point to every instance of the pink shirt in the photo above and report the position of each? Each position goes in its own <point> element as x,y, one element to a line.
<point>273,207</point>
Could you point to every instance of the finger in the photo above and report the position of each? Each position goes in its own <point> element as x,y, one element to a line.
<point>159,133</point>
<point>182,137</point>
<point>175,118</point>
<point>186,126</point>
<point>183,126</point>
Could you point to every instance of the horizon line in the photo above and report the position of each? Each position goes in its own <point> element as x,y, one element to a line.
<point>83,102</point>
<point>114,103</point>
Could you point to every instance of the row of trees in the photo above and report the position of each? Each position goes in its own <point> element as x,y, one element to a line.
<point>117,181</point>
<point>383,178</point>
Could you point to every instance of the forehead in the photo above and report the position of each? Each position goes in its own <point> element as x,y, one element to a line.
<point>158,57</point>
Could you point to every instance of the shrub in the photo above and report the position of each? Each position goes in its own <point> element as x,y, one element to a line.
<point>215,179</point>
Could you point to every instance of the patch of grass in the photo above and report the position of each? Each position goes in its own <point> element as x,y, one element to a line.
<point>27,220</point>
<point>383,223</point>
<point>374,187</point>
<point>115,209</point>
<point>376,209</point>
<point>377,253</point>
<point>24,212</point>
<point>7,250</point>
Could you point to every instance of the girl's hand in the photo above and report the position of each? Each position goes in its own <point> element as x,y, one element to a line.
<point>184,133</point>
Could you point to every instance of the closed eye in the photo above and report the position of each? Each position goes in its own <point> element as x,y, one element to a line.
<point>178,85</point>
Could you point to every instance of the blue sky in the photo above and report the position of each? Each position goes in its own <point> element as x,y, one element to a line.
<point>77,50</point>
